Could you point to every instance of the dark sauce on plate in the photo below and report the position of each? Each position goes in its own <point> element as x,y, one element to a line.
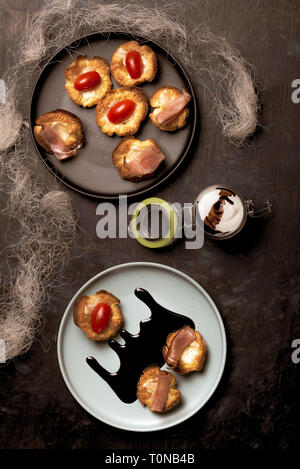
<point>140,350</point>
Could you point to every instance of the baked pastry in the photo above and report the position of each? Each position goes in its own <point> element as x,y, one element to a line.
<point>170,108</point>
<point>87,80</point>
<point>137,159</point>
<point>133,64</point>
<point>59,132</point>
<point>121,111</point>
<point>157,389</point>
<point>98,315</point>
<point>185,351</point>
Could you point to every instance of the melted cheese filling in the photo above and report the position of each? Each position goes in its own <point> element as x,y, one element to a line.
<point>91,303</point>
<point>151,385</point>
<point>190,353</point>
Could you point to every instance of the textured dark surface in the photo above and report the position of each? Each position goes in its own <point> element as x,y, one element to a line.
<point>254,279</point>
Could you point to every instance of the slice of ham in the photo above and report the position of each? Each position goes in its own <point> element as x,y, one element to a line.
<point>144,162</point>
<point>184,338</point>
<point>56,143</point>
<point>161,393</point>
<point>173,109</point>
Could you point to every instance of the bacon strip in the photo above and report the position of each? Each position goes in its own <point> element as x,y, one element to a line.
<point>161,393</point>
<point>144,162</point>
<point>173,109</point>
<point>184,337</point>
<point>56,143</point>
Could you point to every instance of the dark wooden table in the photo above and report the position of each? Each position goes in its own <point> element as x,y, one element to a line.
<point>254,279</point>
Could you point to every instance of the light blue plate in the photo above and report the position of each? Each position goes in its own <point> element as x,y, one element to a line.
<point>175,291</point>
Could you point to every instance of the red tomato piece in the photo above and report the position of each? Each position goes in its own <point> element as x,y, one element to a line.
<point>100,317</point>
<point>121,110</point>
<point>134,63</point>
<point>87,81</point>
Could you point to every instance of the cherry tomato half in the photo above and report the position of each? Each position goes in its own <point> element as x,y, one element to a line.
<point>121,110</point>
<point>87,81</point>
<point>100,317</point>
<point>134,63</point>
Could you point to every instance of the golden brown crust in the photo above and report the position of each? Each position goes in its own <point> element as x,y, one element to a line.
<point>70,124</point>
<point>124,150</point>
<point>119,70</point>
<point>131,125</point>
<point>160,98</point>
<point>82,312</point>
<point>83,64</point>
<point>193,356</point>
<point>147,385</point>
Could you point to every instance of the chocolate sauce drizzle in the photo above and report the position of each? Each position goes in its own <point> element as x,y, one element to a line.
<point>140,350</point>
<point>216,212</point>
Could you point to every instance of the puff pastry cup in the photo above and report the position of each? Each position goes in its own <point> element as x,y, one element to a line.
<point>131,124</point>
<point>163,97</point>
<point>136,159</point>
<point>82,312</point>
<point>192,357</point>
<point>147,386</point>
<point>82,64</point>
<point>59,132</point>
<point>118,66</point>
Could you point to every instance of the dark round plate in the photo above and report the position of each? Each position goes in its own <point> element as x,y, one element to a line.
<point>91,172</point>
